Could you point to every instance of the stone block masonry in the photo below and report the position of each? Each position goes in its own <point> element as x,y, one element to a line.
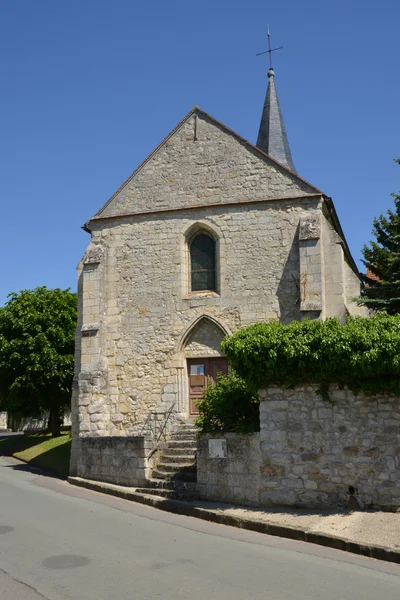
<point>311,452</point>
<point>216,168</point>
<point>314,450</point>
<point>119,460</point>
<point>3,420</point>
<point>232,474</point>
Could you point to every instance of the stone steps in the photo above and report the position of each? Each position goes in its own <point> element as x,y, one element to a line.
<point>177,459</point>
<point>166,493</point>
<point>189,443</point>
<point>180,451</point>
<point>185,436</point>
<point>164,467</point>
<point>190,476</point>
<point>172,486</point>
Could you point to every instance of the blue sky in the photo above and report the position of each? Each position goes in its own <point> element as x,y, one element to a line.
<point>90,87</point>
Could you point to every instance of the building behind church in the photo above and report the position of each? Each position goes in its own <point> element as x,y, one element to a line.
<point>209,234</point>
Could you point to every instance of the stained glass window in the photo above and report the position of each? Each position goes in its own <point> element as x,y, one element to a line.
<point>202,262</point>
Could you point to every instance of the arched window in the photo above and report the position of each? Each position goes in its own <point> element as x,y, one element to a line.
<point>202,263</point>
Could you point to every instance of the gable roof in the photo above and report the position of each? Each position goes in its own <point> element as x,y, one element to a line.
<point>313,191</point>
<point>251,147</point>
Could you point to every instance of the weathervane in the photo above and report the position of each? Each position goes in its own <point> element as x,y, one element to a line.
<point>269,51</point>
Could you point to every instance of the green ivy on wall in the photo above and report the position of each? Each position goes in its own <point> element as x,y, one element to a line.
<point>363,354</point>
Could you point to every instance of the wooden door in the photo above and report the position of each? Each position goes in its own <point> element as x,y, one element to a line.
<point>217,366</point>
<point>200,372</point>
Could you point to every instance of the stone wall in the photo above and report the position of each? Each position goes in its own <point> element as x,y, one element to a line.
<point>30,423</point>
<point>314,450</point>
<point>118,460</point>
<point>3,420</point>
<point>310,452</point>
<point>327,282</point>
<point>211,166</point>
<point>146,321</point>
<point>228,468</point>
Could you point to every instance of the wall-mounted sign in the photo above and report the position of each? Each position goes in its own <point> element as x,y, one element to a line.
<point>217,448</point>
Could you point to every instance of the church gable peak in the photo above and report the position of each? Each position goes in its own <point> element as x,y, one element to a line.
<point>200,163</point>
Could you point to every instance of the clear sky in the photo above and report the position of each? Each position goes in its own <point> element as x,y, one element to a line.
<point>90,87</point>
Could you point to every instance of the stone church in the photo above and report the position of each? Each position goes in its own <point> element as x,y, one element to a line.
<point>209,234</point>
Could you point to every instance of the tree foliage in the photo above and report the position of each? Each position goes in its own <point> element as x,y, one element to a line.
<point>382,259</point>
<point>37,351</point>
<point>229,405</point>
<point>364,354</point>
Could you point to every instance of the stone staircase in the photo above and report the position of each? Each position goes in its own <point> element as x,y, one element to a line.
<point>175,473</point>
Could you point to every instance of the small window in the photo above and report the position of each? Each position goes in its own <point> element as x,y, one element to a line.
<point>197,369</point>
<point>202,263</point>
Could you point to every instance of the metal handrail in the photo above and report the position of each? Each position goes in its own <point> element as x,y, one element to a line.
<point>165,421</point>
<point>153,430</point>
<point>155,427</point>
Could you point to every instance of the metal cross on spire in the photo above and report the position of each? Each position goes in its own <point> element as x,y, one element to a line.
<point>269,51</point>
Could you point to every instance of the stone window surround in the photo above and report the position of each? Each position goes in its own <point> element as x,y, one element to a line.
<point>196,229</point>
<point>206,250</point>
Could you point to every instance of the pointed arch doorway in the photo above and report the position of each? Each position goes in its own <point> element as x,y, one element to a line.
<point>204,360</point>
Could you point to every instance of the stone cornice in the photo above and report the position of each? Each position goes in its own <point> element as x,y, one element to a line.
<point>202,206</point>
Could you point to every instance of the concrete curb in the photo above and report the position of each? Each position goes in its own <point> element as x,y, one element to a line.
<point>190,510</point>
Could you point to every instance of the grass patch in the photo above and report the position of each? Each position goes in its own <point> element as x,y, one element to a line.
<point>50,454</point>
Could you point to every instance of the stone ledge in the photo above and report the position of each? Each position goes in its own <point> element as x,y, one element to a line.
<point>309,306</point>
<point>201,294</point>
<point>90,327</point>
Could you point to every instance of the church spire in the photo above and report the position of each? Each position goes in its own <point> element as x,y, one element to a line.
<point>272,138</point>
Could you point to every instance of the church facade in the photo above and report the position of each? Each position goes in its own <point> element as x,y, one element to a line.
<point>209,234</point>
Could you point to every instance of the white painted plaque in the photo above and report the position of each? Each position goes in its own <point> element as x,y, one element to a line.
<point>217,448</point>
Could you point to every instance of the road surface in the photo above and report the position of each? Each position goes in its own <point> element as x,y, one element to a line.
<point>59,542</point>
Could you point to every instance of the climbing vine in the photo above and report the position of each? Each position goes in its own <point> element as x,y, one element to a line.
<point>363,354</point>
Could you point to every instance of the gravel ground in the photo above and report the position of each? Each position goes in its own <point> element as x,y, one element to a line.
<point>365,527</point>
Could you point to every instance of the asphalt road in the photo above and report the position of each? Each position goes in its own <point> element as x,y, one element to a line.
<point>61,543</point>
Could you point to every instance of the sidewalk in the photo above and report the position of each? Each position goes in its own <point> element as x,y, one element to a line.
<point>369,533</point>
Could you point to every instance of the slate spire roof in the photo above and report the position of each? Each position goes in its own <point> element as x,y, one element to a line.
<point>272,138</point>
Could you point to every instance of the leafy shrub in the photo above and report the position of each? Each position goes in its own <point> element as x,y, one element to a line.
<point>229,405</point>
<point>364,354</point>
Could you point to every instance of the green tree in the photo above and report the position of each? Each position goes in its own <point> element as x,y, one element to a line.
<point>382,259</point>
<point>37,352</point>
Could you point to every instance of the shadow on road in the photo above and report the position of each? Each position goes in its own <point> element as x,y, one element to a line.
<point>50,461</point>
<point>28,468</point>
